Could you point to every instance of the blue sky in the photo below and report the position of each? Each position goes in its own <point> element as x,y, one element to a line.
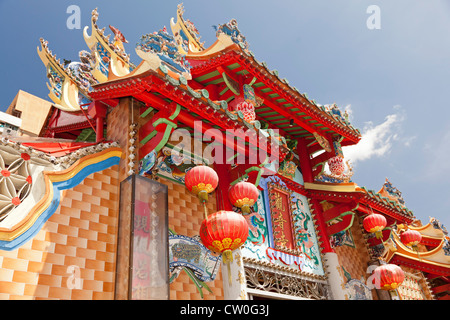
<point>394,81</point>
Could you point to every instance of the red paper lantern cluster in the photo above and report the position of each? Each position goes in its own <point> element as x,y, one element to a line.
<point>243,195</point>
<point>375,223</point>
<point>388,276</point>
<point>202,180</point>
<point>223,231</point>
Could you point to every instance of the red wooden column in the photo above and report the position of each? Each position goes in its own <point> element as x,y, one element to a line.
<point>306,169</point>
<point>97,111</point>
<point>223,171</point>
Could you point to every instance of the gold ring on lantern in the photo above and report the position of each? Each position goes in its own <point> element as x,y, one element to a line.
<point>245,204</point>
<point>202,190</point>
<point>378,232</point>
<point>391,286</point>
<point>226,246</point>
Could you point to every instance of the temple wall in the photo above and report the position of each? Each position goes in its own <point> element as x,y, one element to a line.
<point>117,129</point>
<point>355,260</point>
<point>185,217</point>
<point>73,256</point>
<point>185,211</point>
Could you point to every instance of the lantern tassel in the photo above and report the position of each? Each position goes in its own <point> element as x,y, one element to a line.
<point>205,210</point>
<point>229,274</point>
<point>416,249</point>
<point>245,209</point>
<point>227,258</point>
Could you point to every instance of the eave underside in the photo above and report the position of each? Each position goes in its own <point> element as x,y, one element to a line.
<point>290,112</point>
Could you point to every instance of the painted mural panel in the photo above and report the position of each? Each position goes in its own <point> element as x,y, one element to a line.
<point>305,235</point>
<point>257,223</point>
<point>302,253</point>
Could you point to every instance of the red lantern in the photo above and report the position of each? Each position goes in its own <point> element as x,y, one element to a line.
<point>201,180</point>
<point>375,223</point>
<point>243,195</point>
<point>411,238</point>
<point>388,276</point>
<point>336,165</point>
<point>222,232</point>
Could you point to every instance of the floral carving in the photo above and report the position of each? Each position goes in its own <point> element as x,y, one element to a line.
<point>15,180</point>
<point>290,285</point>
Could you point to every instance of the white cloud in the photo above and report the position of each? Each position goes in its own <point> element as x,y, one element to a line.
<point>377,140</point>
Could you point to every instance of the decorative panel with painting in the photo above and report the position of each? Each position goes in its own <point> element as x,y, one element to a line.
<point>282,230</point>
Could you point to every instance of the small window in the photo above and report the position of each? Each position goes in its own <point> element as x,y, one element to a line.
<point>17,113</point>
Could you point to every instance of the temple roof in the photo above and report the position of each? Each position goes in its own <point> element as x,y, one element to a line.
<point>371,200</point>
<point>211,74</point>
<point>431,257</point>
<point>379,197</point>
<point>282,105</point>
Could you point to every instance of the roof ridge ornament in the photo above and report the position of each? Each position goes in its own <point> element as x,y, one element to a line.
<point>392,193</point>
<point>69,82</point>
<point>438,225</point>
<point>159,49</point>
<point>108,57</point>
<point>336,112</point>
<point>231,29</point>
<point>185,33</point>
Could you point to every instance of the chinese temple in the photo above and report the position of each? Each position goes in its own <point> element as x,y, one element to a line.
<point>196,173</point>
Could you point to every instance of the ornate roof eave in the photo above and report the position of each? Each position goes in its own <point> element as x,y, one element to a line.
<point>432,233</point>
<point>434,261</point>
<point>71,90</point>
<point>429,230</point>
<point>143,84</point>
<point>151,81</point>
<point>345,192</point>
<point>416,263</point>
<point>398,215</point>
<point>75,126</point>
<point>61,121</point>
<point>55,151</point>
<point>118,61</point>
<point>373,197</point>
<point>429,240</point>
<point>225,50</point>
